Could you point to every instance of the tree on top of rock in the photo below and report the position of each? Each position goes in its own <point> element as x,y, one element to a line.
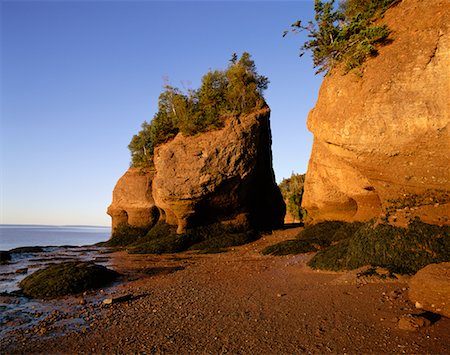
<point>345,35</point>
<point>234,91</point>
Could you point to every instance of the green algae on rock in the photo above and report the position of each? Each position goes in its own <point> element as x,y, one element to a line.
<point>66,278</point>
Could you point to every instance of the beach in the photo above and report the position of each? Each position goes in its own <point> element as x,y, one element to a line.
<point>235,302</point>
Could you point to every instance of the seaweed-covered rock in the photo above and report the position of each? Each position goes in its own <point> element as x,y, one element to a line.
<point>5,256</point>
<point>23,250</point>
<point>66,278</point>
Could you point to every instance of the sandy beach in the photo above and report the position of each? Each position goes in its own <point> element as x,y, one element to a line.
<point>239,302</point>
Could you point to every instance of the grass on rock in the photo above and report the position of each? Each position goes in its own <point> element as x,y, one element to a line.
<point>348,246</point>
<point>66,278</point>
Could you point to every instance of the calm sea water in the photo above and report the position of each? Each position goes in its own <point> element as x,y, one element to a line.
<point>13,236</point>
<point>60,244</point>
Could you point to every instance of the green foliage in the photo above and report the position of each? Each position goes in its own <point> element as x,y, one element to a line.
<point>347,35</point>
<point>162,238</point>
<point>234,91</point>
<point>124,234</point>
<point>400,250</point>
<point>66,278</point>
<point>292,191</point>
<point>141,146</point>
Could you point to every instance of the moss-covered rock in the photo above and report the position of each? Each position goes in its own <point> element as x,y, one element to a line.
<point>125,234</point>
<point>314,237</point>
<point>162,238</point>
<point>348,246</point>
<point>400,250</point>
<point>66,278</point>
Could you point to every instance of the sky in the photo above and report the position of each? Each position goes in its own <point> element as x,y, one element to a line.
<point>78,78</point>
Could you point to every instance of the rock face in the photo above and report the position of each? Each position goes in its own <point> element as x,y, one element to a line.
<point>429,288</point>
<point>220,175</point>
<point>132,199</point>
<point>381,141</point>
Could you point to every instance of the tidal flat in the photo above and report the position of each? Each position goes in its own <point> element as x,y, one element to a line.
<point>239,301</point>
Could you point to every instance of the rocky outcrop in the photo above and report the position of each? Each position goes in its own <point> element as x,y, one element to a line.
<point>220,175</point>
<point>132,199</point>
<point>381,141</point>
<point>429,288</point>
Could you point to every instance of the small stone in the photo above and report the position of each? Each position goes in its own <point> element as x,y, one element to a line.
<point>82,302</point>
<point>412,322</point>
<point>114,300</point>
<point>418,305</point>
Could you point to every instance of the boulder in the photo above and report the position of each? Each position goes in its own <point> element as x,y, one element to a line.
<point>429,288</point>
<point>66,278</point>
<point>132,201</point>
<point>381,141</point>
<point>220,175</point>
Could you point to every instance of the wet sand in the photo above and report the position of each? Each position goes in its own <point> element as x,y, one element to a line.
<point>239,302</point>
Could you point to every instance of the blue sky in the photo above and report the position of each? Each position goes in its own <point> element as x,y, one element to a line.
<point>79,77</point>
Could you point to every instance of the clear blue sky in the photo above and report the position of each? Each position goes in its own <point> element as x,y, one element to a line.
<point>79,77</point>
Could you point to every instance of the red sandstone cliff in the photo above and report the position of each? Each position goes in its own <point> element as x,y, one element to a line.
<point>381,142</point>
<point>222,175</point>
<point>132,199</point>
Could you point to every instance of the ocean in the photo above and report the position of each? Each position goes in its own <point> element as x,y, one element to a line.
<point>59,244</point>
<point>13,236</point>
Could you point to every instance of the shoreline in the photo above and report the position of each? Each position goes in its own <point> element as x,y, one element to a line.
<point>237,302</point>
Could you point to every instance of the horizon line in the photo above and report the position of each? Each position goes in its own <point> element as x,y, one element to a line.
<point>54,225</point>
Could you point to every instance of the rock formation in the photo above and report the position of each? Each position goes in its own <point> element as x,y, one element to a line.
<point>132,199</point>
<point>220,175</point>
<point>429,288</point>
<point>381,141</point>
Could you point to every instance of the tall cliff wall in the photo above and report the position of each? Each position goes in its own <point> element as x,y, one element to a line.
<point>381,142</point>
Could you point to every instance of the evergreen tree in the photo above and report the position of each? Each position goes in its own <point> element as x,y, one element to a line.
<point>344,35</point>
<point>234,91</point>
